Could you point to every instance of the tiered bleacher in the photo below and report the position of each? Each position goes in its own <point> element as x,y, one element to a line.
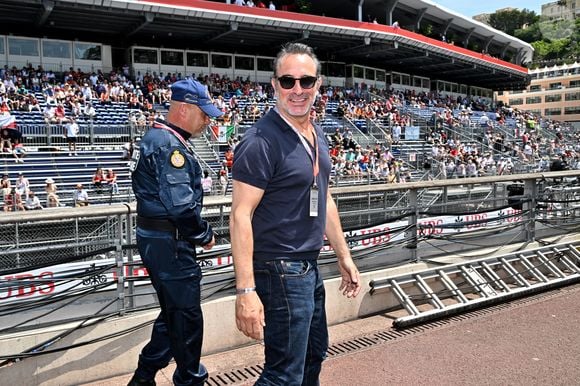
<point>369,131</point>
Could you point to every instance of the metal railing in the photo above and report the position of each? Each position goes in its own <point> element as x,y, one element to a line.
<point>50,256</point>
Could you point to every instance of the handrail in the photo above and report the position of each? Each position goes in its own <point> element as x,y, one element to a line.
<point>213,201</point>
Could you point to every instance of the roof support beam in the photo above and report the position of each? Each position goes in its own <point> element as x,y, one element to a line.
<point>420,15</point>
<point>487,43</point>
<point>467,37</point>
<point>305,35</point>
<point>457,71</point>
<point>504,51</point>
<point>377,49</point>
<point>520,57</point>
<point>366,42</point>
<point>446,27</point>
<point>149,17</point>
<point>409,59</point>
<point>233,28</point>
<point>360,10</point>
<point>47,7</point>
<point>437,65</point>
<point>390,6</point>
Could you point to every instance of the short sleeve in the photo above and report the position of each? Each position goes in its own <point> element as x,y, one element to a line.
<point>253,161</point>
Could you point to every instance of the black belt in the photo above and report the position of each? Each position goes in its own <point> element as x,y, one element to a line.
<point>157,224</point>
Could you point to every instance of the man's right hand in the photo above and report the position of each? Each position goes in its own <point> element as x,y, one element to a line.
<point>209,245</point>
<point>250,315</point>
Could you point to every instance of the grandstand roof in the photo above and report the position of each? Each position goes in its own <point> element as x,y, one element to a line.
<point>195,24</point>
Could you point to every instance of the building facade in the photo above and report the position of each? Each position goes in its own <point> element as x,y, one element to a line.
<point>561,10</point>
<point>553,92</point>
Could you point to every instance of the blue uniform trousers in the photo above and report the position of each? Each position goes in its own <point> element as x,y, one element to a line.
<point>296,334</point>
<point>178,330</point>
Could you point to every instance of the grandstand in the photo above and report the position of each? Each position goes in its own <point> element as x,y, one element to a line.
<point>128,79</point>
<point>377,79</point>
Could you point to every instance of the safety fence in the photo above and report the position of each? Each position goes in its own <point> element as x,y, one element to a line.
<point>78,263</point>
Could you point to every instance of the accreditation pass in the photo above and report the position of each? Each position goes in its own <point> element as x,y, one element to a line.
<point>314,201</point>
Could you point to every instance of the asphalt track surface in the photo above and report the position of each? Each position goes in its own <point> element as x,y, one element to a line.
<point>531,341</point>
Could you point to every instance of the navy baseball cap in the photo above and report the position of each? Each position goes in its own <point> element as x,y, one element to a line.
<point>193,92</point>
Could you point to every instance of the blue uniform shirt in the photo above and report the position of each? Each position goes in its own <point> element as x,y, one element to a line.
<point>166,180</point>
<point>272,157</point>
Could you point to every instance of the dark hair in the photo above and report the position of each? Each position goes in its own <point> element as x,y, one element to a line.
<point>296,49</point>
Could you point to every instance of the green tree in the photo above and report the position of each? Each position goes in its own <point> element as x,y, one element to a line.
<point>551,50</point>
<point>530,34</point>
<point>509,21</point>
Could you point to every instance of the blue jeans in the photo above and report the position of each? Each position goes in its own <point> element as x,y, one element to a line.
<point>178,330</point>
<point>296,335</point>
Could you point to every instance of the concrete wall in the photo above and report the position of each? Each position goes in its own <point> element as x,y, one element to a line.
<point>119,355</point>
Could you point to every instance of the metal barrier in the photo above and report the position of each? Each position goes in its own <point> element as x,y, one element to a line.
<point>48,257</point>
<point>90,134</point>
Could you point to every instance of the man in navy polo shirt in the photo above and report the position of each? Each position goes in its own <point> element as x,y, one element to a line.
<point>281,209</point>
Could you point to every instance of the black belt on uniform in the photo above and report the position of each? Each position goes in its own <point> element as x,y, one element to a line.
<point>157,224</point>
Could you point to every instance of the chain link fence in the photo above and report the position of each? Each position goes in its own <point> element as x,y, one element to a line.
<point>49,257</point>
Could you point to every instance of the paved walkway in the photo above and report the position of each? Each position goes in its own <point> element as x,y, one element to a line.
<point>532,343</point>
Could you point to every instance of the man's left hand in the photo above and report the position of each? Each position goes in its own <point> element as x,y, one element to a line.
<point>350,285</point>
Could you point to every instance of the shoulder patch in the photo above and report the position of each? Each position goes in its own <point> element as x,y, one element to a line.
<point>134,159</point>
<point>177,159</point>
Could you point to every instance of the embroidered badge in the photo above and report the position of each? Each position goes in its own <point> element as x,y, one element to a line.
<point>177,159</point>
<point>134,160</point>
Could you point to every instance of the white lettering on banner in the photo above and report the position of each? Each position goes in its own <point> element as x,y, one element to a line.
<point>51,280</point>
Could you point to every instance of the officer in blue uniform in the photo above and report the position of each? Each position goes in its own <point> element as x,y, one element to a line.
<point>167,184</point>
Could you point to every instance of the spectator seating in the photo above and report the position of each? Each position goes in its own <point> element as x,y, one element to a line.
<point>68,171</point>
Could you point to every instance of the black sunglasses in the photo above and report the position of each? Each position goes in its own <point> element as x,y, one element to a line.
<point>287,82</point>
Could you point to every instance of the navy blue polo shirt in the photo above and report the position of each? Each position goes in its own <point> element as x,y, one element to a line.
<point>271,157</point>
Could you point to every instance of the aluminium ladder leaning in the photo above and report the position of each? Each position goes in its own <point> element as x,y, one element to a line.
<point>449,289</point>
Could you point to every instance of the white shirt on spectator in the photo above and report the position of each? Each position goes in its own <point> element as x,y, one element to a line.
<point>32,202</point>
<point>72,129</point>
<point>81,196</point>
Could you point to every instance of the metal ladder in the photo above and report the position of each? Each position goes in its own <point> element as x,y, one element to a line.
<point>442,291</point>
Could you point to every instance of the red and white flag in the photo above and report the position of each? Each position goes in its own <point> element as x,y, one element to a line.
<point>7,122</point>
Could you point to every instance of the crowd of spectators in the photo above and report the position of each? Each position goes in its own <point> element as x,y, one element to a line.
<point>146,95</point>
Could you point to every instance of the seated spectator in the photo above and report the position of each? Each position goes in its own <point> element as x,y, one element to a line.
<point>60,115</point>
<point>22,185</point>
<point>98,180</point>
<point>111,181</point>
<point>32,202</point>
<point>80,196</point>
<point>5,183</point>
<point>89,111</point>
<point>7,198</point>
<point>206,183</point>
<point>229,159</point>
<point>52,200</point>
<point>11,201</point>
<point>19,151</point>
<point>128,150</point>
<point>48,114</point>
<point>5,141</point>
